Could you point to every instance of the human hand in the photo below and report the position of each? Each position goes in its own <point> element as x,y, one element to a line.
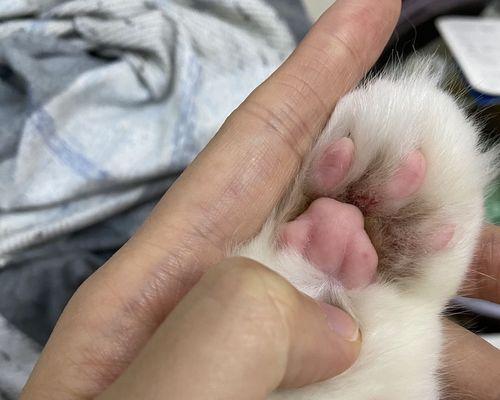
<point>222,198</point>
<point>484,276</point>
<point>239,334</point>
<point>471,365</point>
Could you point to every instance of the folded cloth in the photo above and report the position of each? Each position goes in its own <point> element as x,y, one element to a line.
<point>17,357</point>
<point>102,104</point>
<point>102,101</point>
<point>37,283</point>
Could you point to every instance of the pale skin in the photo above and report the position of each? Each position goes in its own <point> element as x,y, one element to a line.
<point>133,319</point>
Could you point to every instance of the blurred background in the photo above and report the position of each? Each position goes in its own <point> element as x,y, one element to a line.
<point>316,7</point>
<point>102,105</point>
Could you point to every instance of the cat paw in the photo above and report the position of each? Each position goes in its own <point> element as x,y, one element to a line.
<point>348,234</point>
<point>388,205</point>
<point>331,234</point>
<point>396,179</point>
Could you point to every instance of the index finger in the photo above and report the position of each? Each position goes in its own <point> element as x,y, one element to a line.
<point>222,198</point>
<point>230,189</point>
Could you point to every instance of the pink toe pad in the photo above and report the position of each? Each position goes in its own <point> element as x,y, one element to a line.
<point>331,235</point>
<point>332,166</point>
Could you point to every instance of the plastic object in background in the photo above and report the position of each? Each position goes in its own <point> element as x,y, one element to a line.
<point>493,340</point>
<point>474,43</point>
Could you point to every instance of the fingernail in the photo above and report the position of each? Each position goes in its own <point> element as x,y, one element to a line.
<point>341,323</point>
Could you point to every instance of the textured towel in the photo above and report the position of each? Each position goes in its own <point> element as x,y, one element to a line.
<point>102,101</point>
<point>17,356</point>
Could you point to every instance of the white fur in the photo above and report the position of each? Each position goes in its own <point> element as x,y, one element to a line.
<point>394,113</point>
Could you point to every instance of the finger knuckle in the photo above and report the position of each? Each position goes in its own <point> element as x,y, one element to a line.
<point>281,122</point>
<point>265,287</point>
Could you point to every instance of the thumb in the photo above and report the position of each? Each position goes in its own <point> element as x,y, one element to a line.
<point>241,332</point>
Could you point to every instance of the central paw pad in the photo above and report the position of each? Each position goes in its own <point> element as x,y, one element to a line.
<point>330,234</point>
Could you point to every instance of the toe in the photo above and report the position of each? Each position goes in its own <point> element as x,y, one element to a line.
<point>442,238</point>
<point>406,181</point>
<point>332,166</point>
